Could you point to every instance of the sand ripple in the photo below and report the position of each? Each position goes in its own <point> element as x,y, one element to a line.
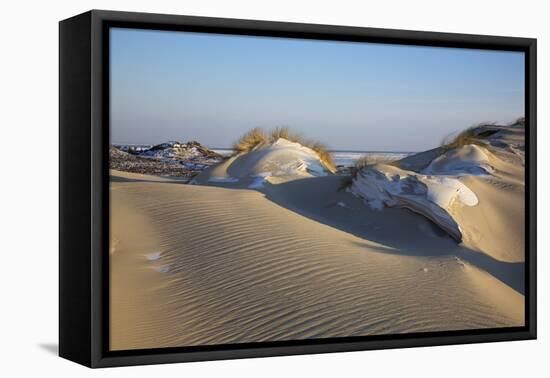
<point>244,269</point>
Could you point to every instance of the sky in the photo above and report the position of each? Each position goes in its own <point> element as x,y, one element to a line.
<point>212,88</point>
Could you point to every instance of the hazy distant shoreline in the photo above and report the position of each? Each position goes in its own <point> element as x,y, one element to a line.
<point>342,157</point>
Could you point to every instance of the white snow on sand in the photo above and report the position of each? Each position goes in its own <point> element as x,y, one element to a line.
<point>162,269</point>
<point>153,256</point>
<point>443,191</point>
<point>259,180</point>
<point>438,191</point>
<point>223,179</point>
<point>464,161</point>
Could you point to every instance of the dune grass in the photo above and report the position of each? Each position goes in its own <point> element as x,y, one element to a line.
<point>285,133</point>
<point>469,136</point>
<point>361,163</point>
<point>250,140</point>
<point>257,137</point>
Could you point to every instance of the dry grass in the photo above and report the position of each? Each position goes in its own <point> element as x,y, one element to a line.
<point>361,163</point>
<point>324,154</point>
<point>250,140</point>
<point>257,137</point>
<point>283,132</point>
<point>464,138</point>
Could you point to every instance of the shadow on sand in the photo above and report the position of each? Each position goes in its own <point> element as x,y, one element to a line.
<point>397,231</point>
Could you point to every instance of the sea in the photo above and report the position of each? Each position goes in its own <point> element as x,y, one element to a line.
<point>347,158</point>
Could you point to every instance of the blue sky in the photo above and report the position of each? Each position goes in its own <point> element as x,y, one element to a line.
<point>212,88</point>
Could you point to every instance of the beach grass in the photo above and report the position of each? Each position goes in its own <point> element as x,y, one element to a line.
<point>471,135</point>
<point>257,137</point>
<point>250,140</point>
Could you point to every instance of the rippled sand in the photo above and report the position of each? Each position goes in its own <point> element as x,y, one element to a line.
<point>198,265</point>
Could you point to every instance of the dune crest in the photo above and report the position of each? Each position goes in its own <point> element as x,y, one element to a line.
<point>279,158</point>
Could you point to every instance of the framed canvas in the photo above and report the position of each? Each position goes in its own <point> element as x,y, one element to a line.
<point>236,188</point>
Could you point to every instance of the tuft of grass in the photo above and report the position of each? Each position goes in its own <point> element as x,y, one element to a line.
<point>257,137</point>
<point>324,154</point>
<point>361,163</point>
<point>280,132</point>
<point>250,140</point>
<point>464,138</point>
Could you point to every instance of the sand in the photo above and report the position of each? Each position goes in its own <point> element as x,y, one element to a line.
<point>270,246</point>
<point>296,259</point>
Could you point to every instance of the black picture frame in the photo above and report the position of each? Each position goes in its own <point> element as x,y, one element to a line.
<point>83,182</point>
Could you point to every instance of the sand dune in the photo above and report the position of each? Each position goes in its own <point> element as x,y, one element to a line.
<point>280,158</point>
<point>475,192</point>
<point>269,245</point>
<point>196,265</point>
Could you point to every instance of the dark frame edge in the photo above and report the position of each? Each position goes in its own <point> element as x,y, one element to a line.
<point>318,31</point>
<point>337,347</point>
<point>531,178</point>
<point>75,292</point>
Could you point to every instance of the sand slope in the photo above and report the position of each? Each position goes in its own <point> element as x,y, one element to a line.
<point>251,169</point>
<point>195,265</point>
<point>475,192</point>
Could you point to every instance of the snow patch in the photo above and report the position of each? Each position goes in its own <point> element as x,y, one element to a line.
<point>444,191</point>
<point>259,180</point>
<point>465,161</point>
<point>431,196</point>
<point>225,179</point>
<point>162,269</point>
<point>153,256</point>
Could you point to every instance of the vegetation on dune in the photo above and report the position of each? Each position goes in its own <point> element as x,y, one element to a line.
<point>250,140</point>
<point>474,135</point>
<point>257,137</point>
<point>471,135</point>
<point>361,163</point>
<point>323,154</point>
<point>285,133</point>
